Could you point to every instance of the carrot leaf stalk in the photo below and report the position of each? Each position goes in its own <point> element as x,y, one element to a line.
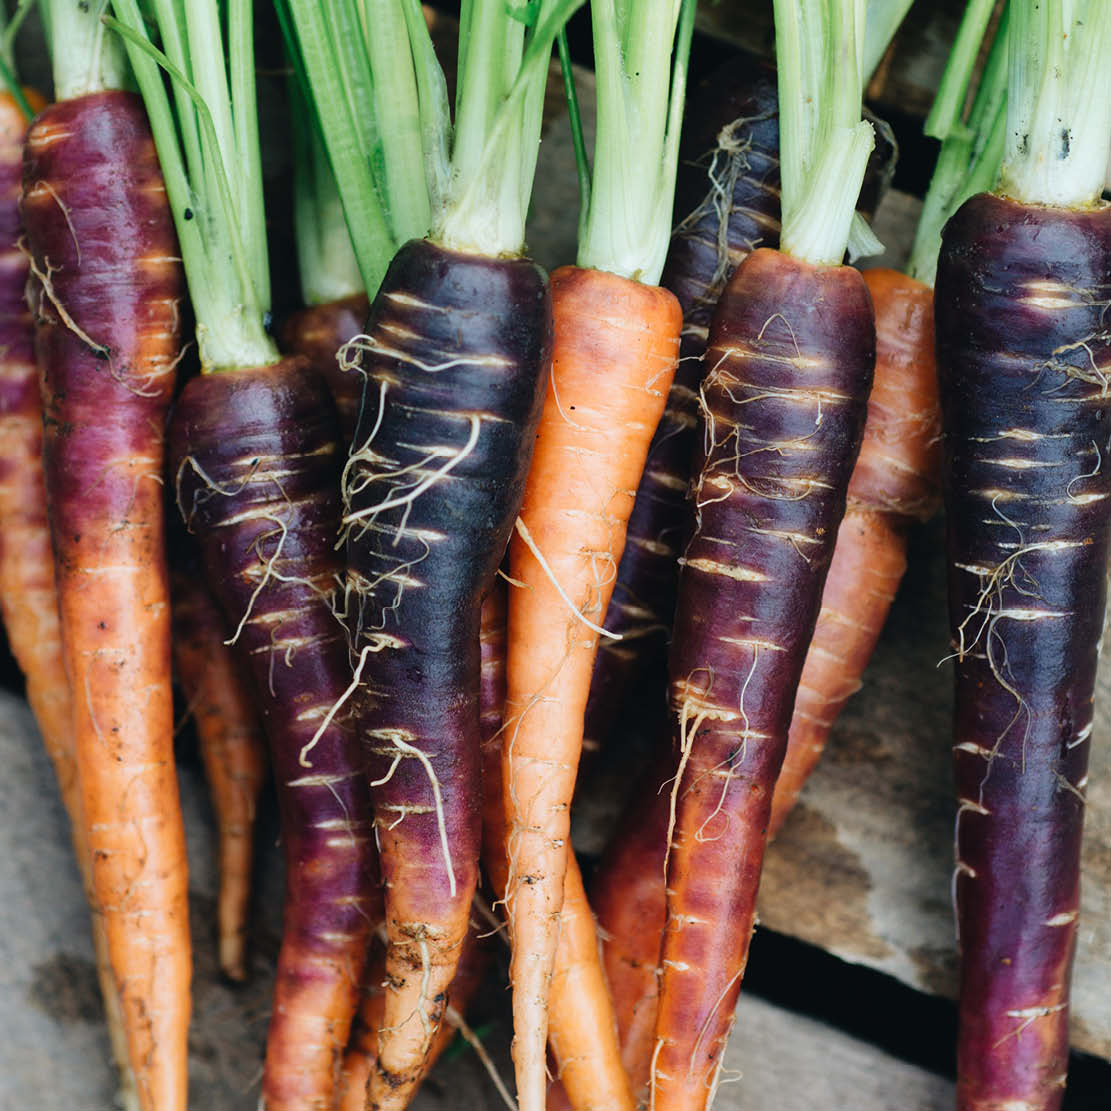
<point>880,24</point>
<point>255,461</point>
<point>332,288</point>
<point>326,260</point>
<point>1023,361</point>
<point>824,144</point>
<point>640,108</point>
<point>972,147</point>
<point>92,59</point>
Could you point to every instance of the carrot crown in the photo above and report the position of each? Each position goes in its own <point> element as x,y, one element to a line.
<point>640,55</point>
<point>1059,107</point>
<point>972,146</point>
<point>85,57</point>
<point>207,140</point>
<point>823,143</point>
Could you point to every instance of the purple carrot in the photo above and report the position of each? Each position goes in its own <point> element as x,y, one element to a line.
<point>1024,356</point>
<point>107,293</point>
<point>790,363</point>
<point>256,466</point>
<point>456,350</point>
<point>318,332</point>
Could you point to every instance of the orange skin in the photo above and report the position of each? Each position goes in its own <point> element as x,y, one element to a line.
<point>615,351</point>
<point>107,343</point>
<point>895,482</point>
<point>581,1033</point>
<point>232,750</point>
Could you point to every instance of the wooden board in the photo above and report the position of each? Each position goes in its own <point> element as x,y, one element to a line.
<point>54,1052</point>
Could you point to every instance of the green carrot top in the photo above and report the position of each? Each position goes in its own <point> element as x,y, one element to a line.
<point>640,49</point>
<point>972,142</point>
<point>86,57</point>
<point>403,172</point>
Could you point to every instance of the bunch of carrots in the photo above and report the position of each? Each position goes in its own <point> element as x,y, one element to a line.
<point>428,537</point>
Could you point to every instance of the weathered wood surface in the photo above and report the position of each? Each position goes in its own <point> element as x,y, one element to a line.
<point>54,1052</point>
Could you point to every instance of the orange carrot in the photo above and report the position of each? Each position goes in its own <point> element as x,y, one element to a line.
<point>232,750</point>
<point>615,350</point>
<point>895,482</point>
<point>106,296</point>
<point>582,1033</point>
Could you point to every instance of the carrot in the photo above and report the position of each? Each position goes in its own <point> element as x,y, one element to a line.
<point>455,355</point>
<point>616,343</point>
<point>254,459</point>
<point>232,750</point>
<point>789,366</point>
<point>106,293</point>
<point>421,554</point>
<point>582,1034</point>
<point>28,595</point>
<point>1023,359</point>
<point>255,468</point>
<point>892,485</point>
<point>770,490</point>
<point>614,356</point>
<point>317,332</point>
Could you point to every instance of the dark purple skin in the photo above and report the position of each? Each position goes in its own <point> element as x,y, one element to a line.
<point>731,136</point>
<point>416,594</point>
<point>318,332</point>
<point>779,444</point>
<point>1022,346</point>
<point>252,452</point>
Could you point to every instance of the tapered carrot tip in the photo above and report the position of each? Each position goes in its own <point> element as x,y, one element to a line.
<point>232,750</point>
